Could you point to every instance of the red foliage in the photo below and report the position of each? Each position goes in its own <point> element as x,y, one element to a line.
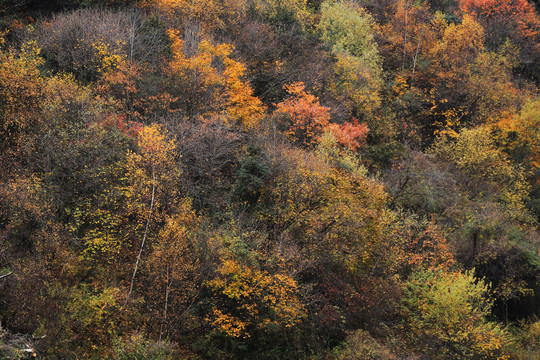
<point>351,134</point>
<point>520,11</point>
<point>129,128</point>
<point>308,118</point>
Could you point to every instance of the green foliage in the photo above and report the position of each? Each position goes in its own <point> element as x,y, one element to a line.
<point>361,346</point>
<point>280,13</point>
<point>445,317</point>
<point>251,176</point>
<point>137,347</point>
<point>348,29</point>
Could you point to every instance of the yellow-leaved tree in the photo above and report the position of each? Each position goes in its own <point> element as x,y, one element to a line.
<point>152,188</point>
<point>207,81</point>
<point>205,15</point>
<point>251,301</point>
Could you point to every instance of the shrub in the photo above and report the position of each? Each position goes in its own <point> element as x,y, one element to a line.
<point>445,315</point>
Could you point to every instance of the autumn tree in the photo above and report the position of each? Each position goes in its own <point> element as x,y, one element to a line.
<point>348,29</point>
<point>173,272</point>
<point>445,315</point>
<point>151,192</point>
<point>21,88</point>
<point>213,90</point>
<point>250,303</point>
<point>308,119</point>
<point>199,16</point>
<point>503,20</point>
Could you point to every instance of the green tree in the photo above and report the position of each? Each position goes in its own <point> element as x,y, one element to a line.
<point>445,317</point>
<point>349,30</point>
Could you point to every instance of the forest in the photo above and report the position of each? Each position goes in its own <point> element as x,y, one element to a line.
<point>270,179</point>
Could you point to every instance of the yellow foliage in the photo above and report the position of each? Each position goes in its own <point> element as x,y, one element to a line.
<point>152,175</point>
<point>329,212</point>
<point>475,153</point>
<point>109,59</point>
<point>445,316</point>
<point>228,95</point>
<point>211,14</point>
<point>21,89</point>
<point>259,300</point>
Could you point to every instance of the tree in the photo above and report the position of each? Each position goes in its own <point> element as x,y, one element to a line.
<point>307,117</point>
<point>253,301</point>
<point>505,20</point>
<point>197,82</point>
<point>348,29</point>
<point>21,88</point>
<point>173,272</point>
<point>486,168</point>
<point>152,188</point>
<point>194,15</point>
<point>445,314</point>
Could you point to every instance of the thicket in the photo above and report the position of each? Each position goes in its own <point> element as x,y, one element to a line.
<point>263,179</point>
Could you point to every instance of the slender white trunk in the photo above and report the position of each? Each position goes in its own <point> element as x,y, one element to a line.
<point>145,233</point>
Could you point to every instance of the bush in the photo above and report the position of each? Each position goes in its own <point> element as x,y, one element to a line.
<point>136,347</point>
<point>361,346</point>
<point>445,317</point>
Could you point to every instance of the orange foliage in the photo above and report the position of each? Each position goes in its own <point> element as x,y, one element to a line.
<point>220,88</point>
<point>350,135</point>
<point>430,250</point>
<point>122,88</point>
<point>308,118</point>
<point>253,299</point>
<point>521,11</point>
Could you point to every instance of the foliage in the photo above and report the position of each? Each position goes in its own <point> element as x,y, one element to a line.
<point>348,28</point>
<point>251,176</point>
<point>253,301</point>
<point>487,168</point>
<point>200,75</point>
<point>515,20</point>
<point>445,317</point>
<point>136,347</point>
<point>332,215</point>
<point>308,118</point>
<point>281,12</point>
<point>361,346</point>
<point>269,179</point>
<point>21,87</point>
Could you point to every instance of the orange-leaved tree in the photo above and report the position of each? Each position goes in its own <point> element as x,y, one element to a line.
<point>208,81</point>
<point>510,20</point>
<point>308,118</point>
<point>251,301</point>
<point>350,135</point>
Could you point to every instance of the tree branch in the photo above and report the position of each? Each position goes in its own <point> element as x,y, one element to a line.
<point>6,275</point>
